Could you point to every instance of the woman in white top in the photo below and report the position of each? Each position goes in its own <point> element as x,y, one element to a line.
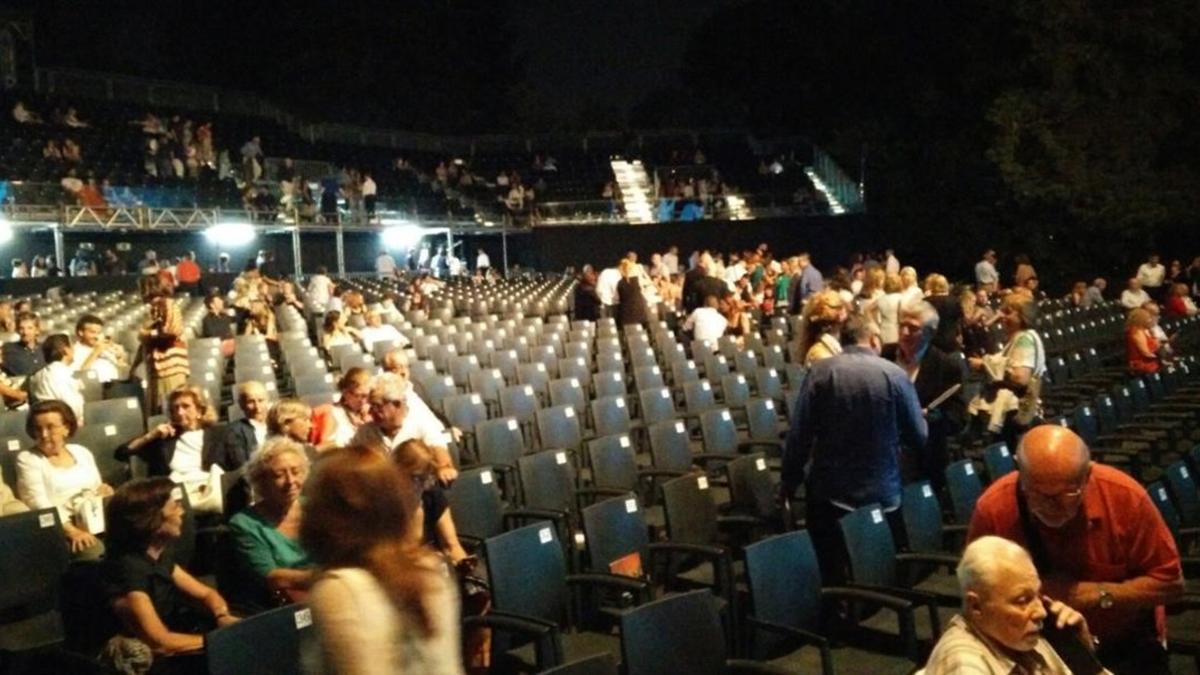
<point>382,603</point>
<point>53,474</point>
<point>887,310</point>
<point>57,380</point>
<point>336,424</point>
<point>335,332</point>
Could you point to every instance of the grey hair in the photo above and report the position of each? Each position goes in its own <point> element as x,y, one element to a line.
<point>257,469</point>
<point>390,386</point>
<point>977,568</point>
<point>923,310</point>
<point>399,354</point>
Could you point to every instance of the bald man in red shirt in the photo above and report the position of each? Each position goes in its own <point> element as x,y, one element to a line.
<point>1099,544</point>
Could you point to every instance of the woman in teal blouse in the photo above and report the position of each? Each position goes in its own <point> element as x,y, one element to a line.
<point>270,567</point>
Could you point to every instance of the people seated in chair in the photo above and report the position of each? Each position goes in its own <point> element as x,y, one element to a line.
<point>244,436</point>
<point>24,356</point>
<point>335,425</point>
<point>378,331</point>
<point>1141,346</point>
<point>398,414</point>
<point>335,332</point>
<point>1134,296</point>
<point>1098,542</point>
<point>9,504</point>
<point>56,380</point>
<point>95,351</point>
<point>55,474</point>
<point>270,567</point>
<point>381,602</point>
<point>292,418</point>
<point>155,600</point>
<point>1004,614</point>
<point>217,323</point>
<point>190,449</point>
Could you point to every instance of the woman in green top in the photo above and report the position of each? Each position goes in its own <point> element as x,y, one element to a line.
<point>270,566</point>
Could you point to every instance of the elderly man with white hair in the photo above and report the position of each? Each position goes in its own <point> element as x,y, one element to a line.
<point>376,330</point>
<point>1003,616</point>
<point>399,414</point>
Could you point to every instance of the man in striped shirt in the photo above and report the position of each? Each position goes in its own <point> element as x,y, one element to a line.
<point>1000,629</point>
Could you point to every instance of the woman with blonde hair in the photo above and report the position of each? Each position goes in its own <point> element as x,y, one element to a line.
<point>631,304</point>
<point>292,418</point>
<point>382,603</point>
<point>334,425</point>
<point>1011,402</point>
<point>1141,347</point>
<point>887,311</point>
<point>824,314</point>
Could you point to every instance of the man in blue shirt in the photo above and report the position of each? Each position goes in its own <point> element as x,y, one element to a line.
<point>804,283</point>
<point>854,412</point>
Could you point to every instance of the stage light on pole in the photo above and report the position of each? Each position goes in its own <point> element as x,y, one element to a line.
<point>231,233</point>
<point>6,230</point>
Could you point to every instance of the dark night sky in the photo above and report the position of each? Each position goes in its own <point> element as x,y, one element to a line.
<point>566,56</point>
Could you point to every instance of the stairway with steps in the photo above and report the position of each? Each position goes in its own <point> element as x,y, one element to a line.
<point>637,192</point>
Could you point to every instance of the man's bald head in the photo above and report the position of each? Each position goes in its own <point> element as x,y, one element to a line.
<point>1055,464</point>
<point>1052,452</point>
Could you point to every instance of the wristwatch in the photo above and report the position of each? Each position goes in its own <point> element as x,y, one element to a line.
<point>1106,599</point>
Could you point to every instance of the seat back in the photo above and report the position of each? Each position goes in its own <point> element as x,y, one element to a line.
<point>656,404</point>
<point>690,511</point>
<point>687,622</point>
<point>614,528</point>
<point>34,552</point>
<point>548,480</point>
<point>558,427</point>
<point>610,383</point>
<point>965,488</point>
<point>762,419</point>
<point>263,644</point>
<point>499,441</point>
<point>1162,500</point>
<point>670,449</point>
<point>1183,488</point>
<point>465,410</point>
<point>124,413</point>
<point>610,414</point>
<point>785,580</point>
<point>719,433</point>
<point>922,517</point>
<point>102,439</point>
<point>519,401</point>
<point>613,462</point>
<point>569,391</point>
<point>735,389</point>
<point>527,570</point>
<point>752,490</point>
<point>998,460</point>
<point>698,396</point>
<point>475,501</point>
<point>869,546</point>
<point>599,664</point>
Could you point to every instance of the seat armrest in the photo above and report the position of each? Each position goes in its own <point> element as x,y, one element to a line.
<point>526,516</point>
<point>903,608</point>
<point>544,634</point>
<point>717,555</point>
<point>798,634</point>
<point>639,587</point>
<point>743,666</point>
<point>931,601</point>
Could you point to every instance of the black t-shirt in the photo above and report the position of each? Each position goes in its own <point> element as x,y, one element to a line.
<point>216,325</point>
<point>125,573</point>
<point>435,504</point>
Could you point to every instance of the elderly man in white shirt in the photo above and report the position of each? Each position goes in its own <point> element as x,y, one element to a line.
<point>1133,296</point>
<point>376,330</point>
<point>418,421</point>
<point>56,380</point>
<point>94,351</point>
<point>706,322</point>
<point>670,260</point>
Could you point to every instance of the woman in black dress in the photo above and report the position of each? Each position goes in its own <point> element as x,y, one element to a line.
<point>631,304</point>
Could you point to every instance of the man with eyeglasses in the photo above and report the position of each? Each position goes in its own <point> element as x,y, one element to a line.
<point>1097,540</point>
<point>395,420</point>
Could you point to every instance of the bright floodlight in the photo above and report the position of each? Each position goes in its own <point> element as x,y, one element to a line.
<point>6,231</point>
<point>231,234</point>
<point>402,236</point>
